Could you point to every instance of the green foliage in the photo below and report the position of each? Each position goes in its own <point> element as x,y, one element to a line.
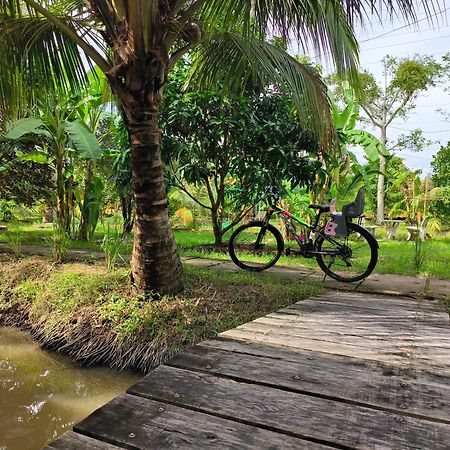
<point>24,176</point>
<point>112,245</point>
<point>414,75</point>
<point>14,237</point>
<point>421,249</point>
<point>25,127</point>
<point>234,146</point>
<point>92,204</point>
<point>58,243</point>
<point>344,174</point>
<point>84,140</point>
<point>440,165</point>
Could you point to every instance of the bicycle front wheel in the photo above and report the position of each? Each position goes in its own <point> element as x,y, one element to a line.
<point>255,246</point>
<point>348,259</point>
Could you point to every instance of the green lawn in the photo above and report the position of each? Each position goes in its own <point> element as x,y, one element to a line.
<point>395,257</point>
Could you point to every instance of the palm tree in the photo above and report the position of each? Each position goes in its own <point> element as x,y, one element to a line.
<point>136,43</point>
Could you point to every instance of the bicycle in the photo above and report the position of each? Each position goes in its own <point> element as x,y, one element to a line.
<point>343,249</point>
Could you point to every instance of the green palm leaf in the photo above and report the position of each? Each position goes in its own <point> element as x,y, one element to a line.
<point>234,62</point>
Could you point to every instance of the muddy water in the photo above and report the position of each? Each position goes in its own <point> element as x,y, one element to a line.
<point>42,395</point>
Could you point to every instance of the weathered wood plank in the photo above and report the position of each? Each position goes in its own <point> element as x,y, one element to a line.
<point>75,441</point>
<point>141,423</point>
<point>394,356</point>
<point>336,333</point>
<point>373,306</point>
<point>373,385</point>
<point>290,412</point>
<point>369,340</point>
<point>430,376</point>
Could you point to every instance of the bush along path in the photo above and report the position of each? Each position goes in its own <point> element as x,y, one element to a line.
<point>95,317</point>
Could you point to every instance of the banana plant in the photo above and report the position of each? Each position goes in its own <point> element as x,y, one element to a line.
<point>57,137</point>
<point>343,165</point>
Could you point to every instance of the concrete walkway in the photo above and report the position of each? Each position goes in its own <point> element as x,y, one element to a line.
<point>388,284</point>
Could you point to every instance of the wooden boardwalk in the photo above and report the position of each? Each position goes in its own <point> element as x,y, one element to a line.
<point>343,370</point>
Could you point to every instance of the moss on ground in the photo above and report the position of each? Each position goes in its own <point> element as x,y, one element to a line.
<point>96,317</point>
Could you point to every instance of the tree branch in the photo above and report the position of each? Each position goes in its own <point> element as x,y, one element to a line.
<point>210,193</point>
<point>237,218</point>
<point>371,117</point>
<point>181,186</point>
<point>394,99</point>
<point>402,105</point>
<point>88,49</point>
<point>189,12</point>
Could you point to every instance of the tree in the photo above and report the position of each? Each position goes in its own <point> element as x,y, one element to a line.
<point>137,43</point>
<point>440,165</point>
<point>22,179</point>
<point>234,146</point>
<point>403,81</point>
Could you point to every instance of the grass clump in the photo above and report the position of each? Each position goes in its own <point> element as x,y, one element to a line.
<point>94,316</point>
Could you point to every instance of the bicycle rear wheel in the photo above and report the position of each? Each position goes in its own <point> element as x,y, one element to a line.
<point>348,259</point>
<point>255,246</point>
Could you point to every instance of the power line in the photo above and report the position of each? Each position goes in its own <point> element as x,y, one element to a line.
<point>423,131</point>
<point>378,62</point>
<point>405,43</point>
<point>420,31</point>
<point>422,123</point>
<point>405,26</point>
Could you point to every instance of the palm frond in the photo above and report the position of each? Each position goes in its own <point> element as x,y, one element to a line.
<point>37,57</point>
<point>233,61</point>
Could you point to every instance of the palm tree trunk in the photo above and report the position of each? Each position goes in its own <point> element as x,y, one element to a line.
<point>155,264</point>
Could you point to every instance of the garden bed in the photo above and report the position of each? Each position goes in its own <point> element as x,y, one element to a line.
<point>95,317</point>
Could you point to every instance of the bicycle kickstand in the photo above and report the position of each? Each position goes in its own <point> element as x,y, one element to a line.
<point>328,268</point>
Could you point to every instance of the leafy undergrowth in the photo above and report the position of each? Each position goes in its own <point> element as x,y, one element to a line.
<point>95,317</point>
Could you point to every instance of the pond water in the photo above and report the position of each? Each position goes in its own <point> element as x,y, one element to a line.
<point>42,395</point>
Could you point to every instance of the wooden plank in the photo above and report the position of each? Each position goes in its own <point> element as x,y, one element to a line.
<point>367,384</point>
<point>141,423</point>
<point>433,374</point>
<point>373,306</point>
<point>335,331</point>
<point>75,441</point>
<point>397,356</point>
<point>368,340</point>
<point>297,355</point>
<point>341,328</point>
<point>374,301</point>
<point>290,412</point>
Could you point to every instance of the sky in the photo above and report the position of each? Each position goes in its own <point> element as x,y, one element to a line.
<point>397,39</point>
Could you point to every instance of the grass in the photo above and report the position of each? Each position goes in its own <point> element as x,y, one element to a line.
<point>94,316</point>
<point>395,257</point>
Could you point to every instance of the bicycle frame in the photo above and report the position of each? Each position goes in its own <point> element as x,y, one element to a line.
<point>303,242</point>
